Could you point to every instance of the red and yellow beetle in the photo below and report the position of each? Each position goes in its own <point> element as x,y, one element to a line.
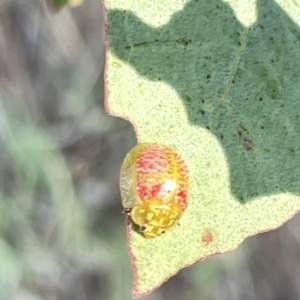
<point>154,183</point>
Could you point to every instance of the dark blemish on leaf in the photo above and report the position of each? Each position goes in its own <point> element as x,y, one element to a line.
<point>233,81</point>
<point>159,78</point>
<point>260,99</point>
<point>208,76</point>
<point>262,127</point>
<point>136,45</point>
<point>202,100</point>
<point>244,128</point>
<point>239,43</point>
<point>207,127</point>
<point>207,237</point>
<point>248,144</point>
<point>246,99</point>
<point>221,136</point>
<point>282,105</point>
<point>262,27</point>
<point>202,111</point>
<point>188,98</point>
<point>217,6</point>
<point>272,60</point>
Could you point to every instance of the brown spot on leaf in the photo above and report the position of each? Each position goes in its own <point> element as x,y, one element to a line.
<point>207,237</point>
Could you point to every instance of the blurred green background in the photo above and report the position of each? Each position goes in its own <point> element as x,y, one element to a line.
<point>62,231</point>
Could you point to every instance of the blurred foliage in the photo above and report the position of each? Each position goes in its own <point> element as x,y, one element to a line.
<point>62,233</point>
<point>58,4</point>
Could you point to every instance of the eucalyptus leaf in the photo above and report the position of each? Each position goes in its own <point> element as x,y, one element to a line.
<point>224,95</point>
